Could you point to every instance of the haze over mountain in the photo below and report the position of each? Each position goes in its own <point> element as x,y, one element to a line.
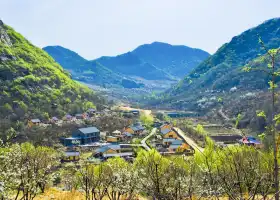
<point>176,60</point>
<point>33,84</point>
<point>156,61</point>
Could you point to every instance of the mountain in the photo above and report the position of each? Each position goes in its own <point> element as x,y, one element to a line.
<point>177,60</point>
<point>219,71</point>
<point>32,84</point>
<point>82,69</point>
<point>131,65</point>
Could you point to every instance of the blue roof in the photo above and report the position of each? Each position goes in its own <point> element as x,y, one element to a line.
<point>169,140</point>
<point>177,142</point>
<point>165,131</point>
<point>107,147</point>
<point>127,134</point>
<point>137,128</point>
<point>89,130</point>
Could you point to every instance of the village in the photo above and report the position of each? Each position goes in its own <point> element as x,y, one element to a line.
<point>99,145</point>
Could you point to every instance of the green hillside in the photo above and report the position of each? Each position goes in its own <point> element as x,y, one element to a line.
<point>32,84</point>
<point>219,67</point>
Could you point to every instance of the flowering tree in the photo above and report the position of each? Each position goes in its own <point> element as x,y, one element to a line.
<point>25,169</point>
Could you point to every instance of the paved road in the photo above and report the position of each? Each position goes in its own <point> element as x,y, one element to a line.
<point>189,140</point>
<point>143,142</point>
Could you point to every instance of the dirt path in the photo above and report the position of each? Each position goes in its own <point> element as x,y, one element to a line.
<point>190,141</point>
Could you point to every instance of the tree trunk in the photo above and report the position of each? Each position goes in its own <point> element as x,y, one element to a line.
<point>276,181</point>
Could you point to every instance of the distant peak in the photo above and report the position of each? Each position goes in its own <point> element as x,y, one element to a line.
<point>1,23</point>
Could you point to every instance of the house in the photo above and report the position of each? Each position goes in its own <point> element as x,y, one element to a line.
<point>127,136</point>
<point>157,124</point>
<point>54,119</point>
<point>91,112</point>
<point>175,145</point>
<point>71,156</point>
<point>113,139</point>
<point>81,116</point>
<point>169,133</point>
<point>68,117</point>
<point>109,151</point>
<point>168,141</point>
<point>33,122</point>
<point>135,129</point>
<point>116,132</point>
<point>166,126</point>
<point>83,136</point>
<point>251,141</point>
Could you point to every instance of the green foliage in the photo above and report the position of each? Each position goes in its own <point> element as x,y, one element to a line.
<point>34,82</point>
<point>148,120</point>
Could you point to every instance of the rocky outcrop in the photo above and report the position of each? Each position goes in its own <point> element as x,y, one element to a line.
<point>4,37</point>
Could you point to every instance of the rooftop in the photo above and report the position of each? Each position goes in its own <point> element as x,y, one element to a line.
<point>35,120</point>
<point>72,153</point>
<point>89,130</point>
<point>165,131</point>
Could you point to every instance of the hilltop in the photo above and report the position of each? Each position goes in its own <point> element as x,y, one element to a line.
<point>222,72</point>
<point>177,60</point>
<point>32,84</point>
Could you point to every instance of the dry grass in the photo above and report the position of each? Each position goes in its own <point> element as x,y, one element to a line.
<point>55,194</point>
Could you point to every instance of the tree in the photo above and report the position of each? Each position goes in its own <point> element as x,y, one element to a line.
<point>26,169</point>
<point>273,72</point>
<point>153,170</point>
<point>146,119</point>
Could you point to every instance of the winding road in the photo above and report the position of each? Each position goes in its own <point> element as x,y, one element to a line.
<point>143,142</point>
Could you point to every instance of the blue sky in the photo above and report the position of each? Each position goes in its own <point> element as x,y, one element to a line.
<point>95,28</point>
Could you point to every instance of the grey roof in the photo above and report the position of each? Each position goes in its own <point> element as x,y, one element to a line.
<point>89,130</point>
<point>105,148</point>
<point>174,146</point>
<point>72,153</point>
<point>35,120</point>
<point>165,131</point>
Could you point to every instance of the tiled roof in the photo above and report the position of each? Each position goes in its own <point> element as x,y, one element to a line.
<point>174,146</point>
<point>137,128</point>
<point>89,130</point>
<point>72,153</point>
<point>169,140</point>
<point>35,120</point>
<point>177,142</point>
<point>165,131</point>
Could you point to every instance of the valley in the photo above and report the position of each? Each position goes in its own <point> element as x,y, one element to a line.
<point>160,121</point>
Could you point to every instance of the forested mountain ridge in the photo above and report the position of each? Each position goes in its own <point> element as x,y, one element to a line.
<point>238,52</point>
<point>131,65</point>
<point>32,84</point>
<point>178,60</point>
<point>150,62</point>
<point>82,69</point>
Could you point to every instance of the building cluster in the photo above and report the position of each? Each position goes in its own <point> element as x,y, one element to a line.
<point>168,141</point>
<point>68,118</point>
<point>103,146</point>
